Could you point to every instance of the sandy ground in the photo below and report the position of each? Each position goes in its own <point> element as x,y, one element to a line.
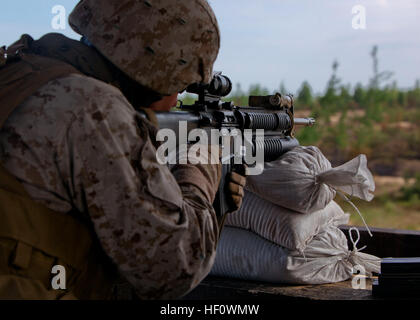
<point>389,185</point>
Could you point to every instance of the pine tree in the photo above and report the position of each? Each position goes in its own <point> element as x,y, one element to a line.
<point>304,96</point>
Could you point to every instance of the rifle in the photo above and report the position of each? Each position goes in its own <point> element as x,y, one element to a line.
<point>274,114</point>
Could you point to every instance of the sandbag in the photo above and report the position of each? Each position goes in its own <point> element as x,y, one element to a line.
<point>243,254</point>
<point>283,226</point>
<point>303,180</point>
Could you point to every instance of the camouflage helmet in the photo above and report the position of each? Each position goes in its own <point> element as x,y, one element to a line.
<point>164,45</point>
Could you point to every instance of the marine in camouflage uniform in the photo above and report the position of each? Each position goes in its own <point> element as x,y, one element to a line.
<point>78,147</point>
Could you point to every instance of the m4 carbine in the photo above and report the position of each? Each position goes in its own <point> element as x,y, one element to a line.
<point>273,114</point>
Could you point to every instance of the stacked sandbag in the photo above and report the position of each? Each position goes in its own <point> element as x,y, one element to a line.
<point>287,227</point>
<point>245,255</point>
<point>304,181</point>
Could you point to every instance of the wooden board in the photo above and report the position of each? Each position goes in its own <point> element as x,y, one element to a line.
<point>231,289</point>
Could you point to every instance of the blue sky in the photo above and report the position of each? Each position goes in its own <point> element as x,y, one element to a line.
<point>274,41</point>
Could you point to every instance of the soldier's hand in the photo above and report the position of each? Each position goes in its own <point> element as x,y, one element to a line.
<point>236,186</point>
<point>205,177</point>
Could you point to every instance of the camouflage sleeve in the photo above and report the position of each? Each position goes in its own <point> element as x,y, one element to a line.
<point>79,143</point>
<point>163,238</point>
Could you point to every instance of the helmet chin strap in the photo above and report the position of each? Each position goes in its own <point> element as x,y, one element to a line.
<point>86,41</point>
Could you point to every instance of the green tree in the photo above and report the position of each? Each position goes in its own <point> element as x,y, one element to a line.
<point>334,81</point>
<point>257,90</point>
<point>304,96</point>
<point>238,97</point>
<point>378,77</point>
<point>329,100</point>
<point>345,97</point>
<point>359,94</point>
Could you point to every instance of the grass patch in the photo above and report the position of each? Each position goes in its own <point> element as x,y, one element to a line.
<point>385,212</point>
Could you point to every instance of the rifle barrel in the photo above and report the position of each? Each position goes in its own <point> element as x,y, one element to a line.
<point>308,122</point>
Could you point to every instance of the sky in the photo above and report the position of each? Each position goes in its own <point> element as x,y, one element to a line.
<point>281,41</point>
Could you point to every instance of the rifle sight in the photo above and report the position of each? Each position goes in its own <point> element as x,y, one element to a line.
<point>219,86</point>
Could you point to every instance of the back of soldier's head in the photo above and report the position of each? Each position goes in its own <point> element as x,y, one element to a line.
<point>164,45</point>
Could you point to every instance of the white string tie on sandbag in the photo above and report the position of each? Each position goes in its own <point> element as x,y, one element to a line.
<point>355,249</point>
<point>357,210</point>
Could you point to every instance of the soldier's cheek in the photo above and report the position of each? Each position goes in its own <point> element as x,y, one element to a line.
<point>166,103</point>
